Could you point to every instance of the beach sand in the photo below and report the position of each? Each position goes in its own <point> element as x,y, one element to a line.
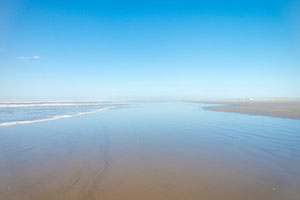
<point>150,153</point>
<point>283,108</point>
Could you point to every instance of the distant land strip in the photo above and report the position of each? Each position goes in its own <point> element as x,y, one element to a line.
<point>273,107</point>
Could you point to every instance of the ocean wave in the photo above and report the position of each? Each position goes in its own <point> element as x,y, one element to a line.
<point>49,104</point>
<point>52,118</point>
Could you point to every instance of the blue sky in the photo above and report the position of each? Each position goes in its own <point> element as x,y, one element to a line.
<point>149,49</point>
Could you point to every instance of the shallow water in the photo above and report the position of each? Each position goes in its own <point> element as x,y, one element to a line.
<point>22,112</point>
<point>152,151</point>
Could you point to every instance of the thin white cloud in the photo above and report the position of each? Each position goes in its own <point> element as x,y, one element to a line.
<point>28,57</point>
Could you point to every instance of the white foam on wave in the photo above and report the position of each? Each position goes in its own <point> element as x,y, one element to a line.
<point>25,104</point>
<point>52,118</point>
<point>47,104</point>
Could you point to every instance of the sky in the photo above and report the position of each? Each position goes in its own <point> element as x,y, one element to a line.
<point>149,50</point>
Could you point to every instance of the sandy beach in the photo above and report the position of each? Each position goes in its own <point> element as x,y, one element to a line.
<point>283,108</point>
<point>155,152</point>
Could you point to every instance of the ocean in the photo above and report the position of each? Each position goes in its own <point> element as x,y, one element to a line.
<point>23,112</point>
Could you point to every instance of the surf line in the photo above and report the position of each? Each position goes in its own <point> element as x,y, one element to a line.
<point>52,118</point>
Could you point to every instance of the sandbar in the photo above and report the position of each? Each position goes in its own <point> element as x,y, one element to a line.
<point>281,107</point>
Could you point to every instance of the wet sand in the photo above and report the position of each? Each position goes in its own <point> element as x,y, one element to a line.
<point>284,108</point>
<point>151,152</point>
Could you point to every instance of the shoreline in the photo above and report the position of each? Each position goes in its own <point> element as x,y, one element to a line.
<point>56,117</point>
<point>151,151</point>
<point>288,108</point>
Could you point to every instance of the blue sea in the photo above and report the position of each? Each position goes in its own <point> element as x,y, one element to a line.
<point>21,112</point>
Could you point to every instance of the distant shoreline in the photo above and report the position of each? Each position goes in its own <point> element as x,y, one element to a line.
<point>281,108</point>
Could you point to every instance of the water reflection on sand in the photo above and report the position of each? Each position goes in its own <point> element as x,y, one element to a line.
<point>152,151</point>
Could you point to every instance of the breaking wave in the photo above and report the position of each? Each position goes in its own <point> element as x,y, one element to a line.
<point>53,118</point>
